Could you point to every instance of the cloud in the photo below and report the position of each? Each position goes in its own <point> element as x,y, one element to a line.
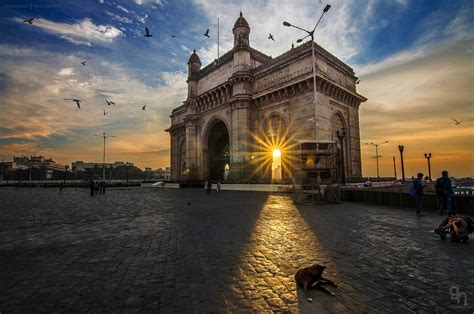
<point>66,72</point>
<point>15,51</point>
<point>411,99</point>
<point>338,31</point>
<point>142,18</point>
<point>119,18</point>
<point>83,32</point>
<point>122,8</point>
<point>141,2</point>
<point>34,109</point>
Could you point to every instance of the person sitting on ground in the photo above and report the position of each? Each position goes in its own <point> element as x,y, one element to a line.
<point>458,225</point>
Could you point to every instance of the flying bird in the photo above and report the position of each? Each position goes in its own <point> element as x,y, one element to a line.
<point>456,122</point>
<point>29,21</point>
<point>173,35</point>
<point>270,36</point>
<point>147,33</point>
<point>84,62</point>
<point>143,108</point>
<point>105,113</point>
<point>207,33</point>
<point>77,101</point>
<point>109,102</point>
<point>188,203</point>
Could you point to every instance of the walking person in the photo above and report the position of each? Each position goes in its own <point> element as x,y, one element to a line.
<point>92,187</point>
<point>103,187</point>
<point>445,193</point>
<point>218,186</point>
<point>209,186</point>
<point>418,186</point>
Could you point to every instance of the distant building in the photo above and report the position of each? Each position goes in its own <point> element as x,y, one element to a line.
<point>83,166</point>
<point>163,173</point>
<point>36,162</point>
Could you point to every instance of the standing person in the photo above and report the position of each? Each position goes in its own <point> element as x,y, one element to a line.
<point>103,187</point>
<point>418,185</point>
<point>218,187</point>
<point>96,187</point>
<point>209,186</point>
<point>445,193</point>
<point>92,187</point>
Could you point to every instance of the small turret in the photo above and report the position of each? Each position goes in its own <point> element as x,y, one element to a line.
<point>194,64</point>
<point>241,32</point>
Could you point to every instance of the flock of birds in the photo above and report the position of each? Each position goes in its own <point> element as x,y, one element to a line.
<point>148,34</point>
<point>78,101</point>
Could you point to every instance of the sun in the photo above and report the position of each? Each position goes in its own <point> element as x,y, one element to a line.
<point>276,153</point>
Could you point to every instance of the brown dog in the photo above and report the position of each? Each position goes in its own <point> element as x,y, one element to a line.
<point>312,277</point>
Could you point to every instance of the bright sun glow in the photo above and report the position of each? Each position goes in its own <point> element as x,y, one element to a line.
<point>276,153</point>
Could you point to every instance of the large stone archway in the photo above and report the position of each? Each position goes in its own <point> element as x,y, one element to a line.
<point>217,155</point>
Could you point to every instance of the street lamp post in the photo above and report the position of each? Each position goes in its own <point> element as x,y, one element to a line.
<point>103,156</point>
<point>311,34</point>
<point>66,167</point>
<point>377,156</point>
<point>394,168</point>
<point>428,157</point>
<point>341,134</point>
<point>401,148</point>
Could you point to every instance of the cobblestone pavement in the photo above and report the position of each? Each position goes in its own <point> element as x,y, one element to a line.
<point>180,250</point>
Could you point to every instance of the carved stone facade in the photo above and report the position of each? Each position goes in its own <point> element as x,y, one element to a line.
<point>246,94</point>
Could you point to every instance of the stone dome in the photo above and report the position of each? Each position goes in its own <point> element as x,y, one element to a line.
<point>241,22</point>
<point>194,57</point>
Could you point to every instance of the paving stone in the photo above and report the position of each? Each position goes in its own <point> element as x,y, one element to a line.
<point>144,250</point>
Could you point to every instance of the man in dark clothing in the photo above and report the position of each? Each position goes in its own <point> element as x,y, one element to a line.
<point>418,185</point>
<point>445,193</point>
<point>92,187</point>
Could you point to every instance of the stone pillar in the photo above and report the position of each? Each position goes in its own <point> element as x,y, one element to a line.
<point>356,165</point>
<point>174,158</point>
<point>192,161</point>
<point>240,139</point>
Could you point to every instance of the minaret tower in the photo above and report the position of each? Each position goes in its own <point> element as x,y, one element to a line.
<point>194,66</point>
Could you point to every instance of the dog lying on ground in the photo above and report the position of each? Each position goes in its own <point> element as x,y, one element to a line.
<point>312,277</point>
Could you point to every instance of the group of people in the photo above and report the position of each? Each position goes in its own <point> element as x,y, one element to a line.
<point>96,187</point>
<point>455,226</point>
<point>209,186</point>
<point>443,190</point>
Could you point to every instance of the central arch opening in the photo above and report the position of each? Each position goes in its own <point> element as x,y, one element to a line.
<point>218,152</point>
<point>276,165</point>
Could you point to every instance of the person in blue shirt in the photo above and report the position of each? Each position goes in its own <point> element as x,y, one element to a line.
<point>418,185</point>
<point>445,193</point>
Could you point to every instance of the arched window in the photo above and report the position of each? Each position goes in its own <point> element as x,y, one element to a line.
<point>275,126</point>
<point>337,123</point>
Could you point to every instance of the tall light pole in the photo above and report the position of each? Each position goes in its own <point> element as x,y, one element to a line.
<point>401,148</point>
<point>394,168</point>
<point>103,156</point>
<point>66,168</point>
<point>428,157</point>
<point>377,156</point>
<point>311,34</point>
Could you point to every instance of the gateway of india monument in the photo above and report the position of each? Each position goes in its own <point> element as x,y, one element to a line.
<point>246,105</point>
